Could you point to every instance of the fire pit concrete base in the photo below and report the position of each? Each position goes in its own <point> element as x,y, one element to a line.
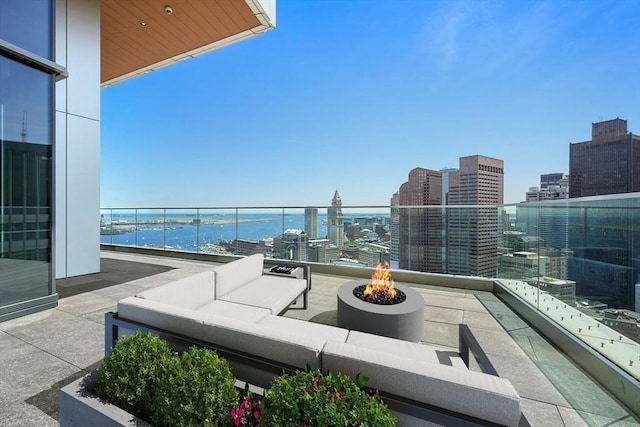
<point>404,321</point>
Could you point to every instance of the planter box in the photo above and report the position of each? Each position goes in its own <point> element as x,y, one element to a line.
<point>79,408</point>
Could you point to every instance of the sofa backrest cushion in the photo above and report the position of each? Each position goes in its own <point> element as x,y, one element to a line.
<point>468,392</point>
<point>191,292</point>
<point>282,346</point>
<point>164,316</point>
<point>233,275</point>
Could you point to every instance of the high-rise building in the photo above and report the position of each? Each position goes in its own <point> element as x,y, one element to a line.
<point>335,221</point>
<point>394,228</point>
<point>292,244</point>
<point>311,222</point>
<point>420,229</point>
<point>472,231</point>
<point>555,178</point>
<point>445,182</point>
<point>553,186</point>
<point>608,164</point>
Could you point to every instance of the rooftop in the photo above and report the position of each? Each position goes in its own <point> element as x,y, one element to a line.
<point>42,352</point>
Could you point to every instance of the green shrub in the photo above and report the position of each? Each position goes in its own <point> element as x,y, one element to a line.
<point>309,398</point>
<point>129,374</point>
<point>145,378</point>
<point>196,390</point>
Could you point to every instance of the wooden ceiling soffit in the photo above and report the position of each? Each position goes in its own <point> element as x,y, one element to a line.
<point>138,36</point>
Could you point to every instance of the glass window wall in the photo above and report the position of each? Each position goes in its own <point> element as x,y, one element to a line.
<point>28,25</point>
<point>26,164</point>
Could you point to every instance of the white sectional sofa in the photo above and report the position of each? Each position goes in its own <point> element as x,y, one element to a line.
<point>234,308</point>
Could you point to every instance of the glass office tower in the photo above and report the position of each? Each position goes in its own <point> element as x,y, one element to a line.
<point>27,78</point>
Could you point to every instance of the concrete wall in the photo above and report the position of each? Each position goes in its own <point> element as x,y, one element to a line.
<point>77,146</point>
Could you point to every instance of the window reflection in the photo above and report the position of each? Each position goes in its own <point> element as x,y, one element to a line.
<point>26,181</point>
<point>27,24</point>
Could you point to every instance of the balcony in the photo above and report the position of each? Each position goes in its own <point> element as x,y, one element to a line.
<point>44,351</point>
<point>569,267</point>
<point>522,319</point>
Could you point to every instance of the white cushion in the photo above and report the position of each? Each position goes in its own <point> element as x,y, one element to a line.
<point>190,292</point>
<point>236,311</point>
<point>289,348</point>
<point>419,352</point>
<point>272,292</point>
<point>468,392</point>
<point>235,274</point>
<point>161,315</point>
<point>326,332</point>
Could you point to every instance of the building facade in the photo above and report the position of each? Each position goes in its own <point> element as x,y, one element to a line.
<point>311,222</point>
<point>420,228</point>
<point>394,228</point>
<point>55,55</point>
<point>608,164</point>
<point>472,231</point>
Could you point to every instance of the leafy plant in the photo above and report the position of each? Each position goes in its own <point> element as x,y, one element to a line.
<point>309,398</point>
<point>129,375</point>
<point>144,377</point>
<point>196,390</point>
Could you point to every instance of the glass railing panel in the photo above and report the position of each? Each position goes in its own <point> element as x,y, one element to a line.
<point>122,227</point>
<point>215,228</point>
<point>106,226</point>
<point>172,229</point>
<point>256,231</point>
<point>578,262</point>
<point>359,236</point>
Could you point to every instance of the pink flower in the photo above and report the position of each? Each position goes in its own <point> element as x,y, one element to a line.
<point>236,415</point>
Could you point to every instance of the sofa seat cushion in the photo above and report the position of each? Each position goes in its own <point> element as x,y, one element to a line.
<point>236,311</point>
<point>421,353</point>
<point>235,274</point>
<point>326,332</point>
<point>285,347</point>
<point>189,292</point>
<point>468,392</point>
<point>273,292</point>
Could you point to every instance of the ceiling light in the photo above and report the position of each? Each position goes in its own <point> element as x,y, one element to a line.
<point>143,24</point>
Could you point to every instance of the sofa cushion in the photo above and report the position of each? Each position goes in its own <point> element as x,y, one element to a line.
<point>236,311</point>
<point>273,292</point>
<point>283,346</point>
<point>163,316</point>
<point>235,274</point>
<point>468,392</point>
<point>419,352</point>
<point>326,332</point>
<point>189,292</point>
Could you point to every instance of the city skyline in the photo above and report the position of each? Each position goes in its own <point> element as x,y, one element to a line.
<point>344,96</point>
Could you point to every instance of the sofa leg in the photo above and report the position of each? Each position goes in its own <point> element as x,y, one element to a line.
<point>110,331</point>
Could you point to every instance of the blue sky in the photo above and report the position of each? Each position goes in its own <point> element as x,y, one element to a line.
<point>352,95</point>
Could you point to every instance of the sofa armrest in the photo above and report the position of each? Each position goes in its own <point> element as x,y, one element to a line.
<point>470,393</point>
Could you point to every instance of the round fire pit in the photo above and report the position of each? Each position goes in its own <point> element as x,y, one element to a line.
<point>404,320</point>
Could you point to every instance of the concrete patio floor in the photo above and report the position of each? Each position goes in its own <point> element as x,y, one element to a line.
<point>42,352</point>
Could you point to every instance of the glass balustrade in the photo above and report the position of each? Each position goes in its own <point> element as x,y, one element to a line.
<point>576,261</point>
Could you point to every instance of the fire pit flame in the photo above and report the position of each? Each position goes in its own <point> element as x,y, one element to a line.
<point>381,282</point>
